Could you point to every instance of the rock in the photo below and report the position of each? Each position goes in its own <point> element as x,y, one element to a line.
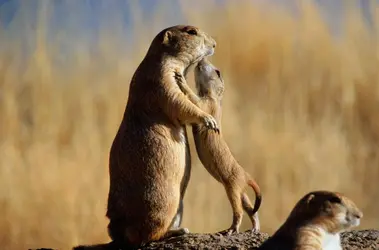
<point>363,239</point>
<point>357,239</point>
<point>243,240</point>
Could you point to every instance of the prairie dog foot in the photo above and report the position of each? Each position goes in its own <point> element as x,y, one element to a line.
<point>176,232</point>
<point>228,232</point>
<point>256,224</point>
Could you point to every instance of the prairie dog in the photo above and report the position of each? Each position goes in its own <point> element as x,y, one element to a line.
<point>316,222</point>
<point>214,152</point>
<point>149,162</point>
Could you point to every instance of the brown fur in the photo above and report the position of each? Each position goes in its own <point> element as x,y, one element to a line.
<point>214,152</point>
<point>149,164</point>
<point>316,216</point>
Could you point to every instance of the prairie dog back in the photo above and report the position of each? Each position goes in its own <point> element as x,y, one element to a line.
<point>214,152</point>
<point>316,222</point>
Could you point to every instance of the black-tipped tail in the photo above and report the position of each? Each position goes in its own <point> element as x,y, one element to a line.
<point>258,195</point>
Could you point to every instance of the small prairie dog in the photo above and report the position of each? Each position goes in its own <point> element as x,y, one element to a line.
<point>214,152</point>
<point>316,222</point>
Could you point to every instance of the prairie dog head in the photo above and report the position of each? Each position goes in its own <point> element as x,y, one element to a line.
<point>187,43</point>
<point>331,211</point>
<point>208,79</point>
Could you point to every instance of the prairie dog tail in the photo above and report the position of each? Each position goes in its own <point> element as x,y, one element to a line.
<point>258,194</point>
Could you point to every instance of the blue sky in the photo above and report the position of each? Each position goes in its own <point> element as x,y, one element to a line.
<point>90,10</point>
<point>82,19</point>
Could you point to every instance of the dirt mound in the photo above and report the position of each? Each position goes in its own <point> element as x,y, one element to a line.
<point>359,239</point>
<point>364,239</point>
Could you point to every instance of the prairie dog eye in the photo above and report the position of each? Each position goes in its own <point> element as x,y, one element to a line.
<point>218,73</point>
<point>192,32</point>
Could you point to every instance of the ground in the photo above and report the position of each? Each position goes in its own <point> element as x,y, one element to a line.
<point>360,239</point>
<point>364,239</point>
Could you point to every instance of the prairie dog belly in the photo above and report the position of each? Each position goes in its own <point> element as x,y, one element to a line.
<point>154,178</point>
<point>208,153</point>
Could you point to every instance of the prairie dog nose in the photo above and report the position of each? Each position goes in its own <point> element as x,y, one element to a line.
<point>214,43</point>
<point>358,215</point>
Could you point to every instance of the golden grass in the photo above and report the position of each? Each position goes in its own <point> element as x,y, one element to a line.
<point>300,113</point>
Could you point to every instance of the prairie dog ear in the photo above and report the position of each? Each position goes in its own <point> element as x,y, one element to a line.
<point>167,37</point>
<point>310,198</point>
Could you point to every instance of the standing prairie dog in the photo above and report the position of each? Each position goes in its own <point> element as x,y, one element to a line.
<point>149,163</point>
<point>315,223</point>
<point>214,152</point>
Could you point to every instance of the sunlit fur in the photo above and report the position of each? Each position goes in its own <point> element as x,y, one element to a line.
<point>300,110</point>
<point>149,163</point>
<point>213,150</point>
<point>316,222</point>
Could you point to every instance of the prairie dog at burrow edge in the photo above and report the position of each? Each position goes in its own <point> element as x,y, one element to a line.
<point>315,223</point>
<point>149,162</point>
<point>214,152</point>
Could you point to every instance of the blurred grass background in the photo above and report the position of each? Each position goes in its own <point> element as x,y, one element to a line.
<point>300,111</point>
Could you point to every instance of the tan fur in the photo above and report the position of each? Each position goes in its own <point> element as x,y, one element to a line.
<point>318,215</point>
<point>149,162</point>
<point>214,152</point>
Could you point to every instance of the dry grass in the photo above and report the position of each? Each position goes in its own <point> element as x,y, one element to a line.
<point>300,113</point>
